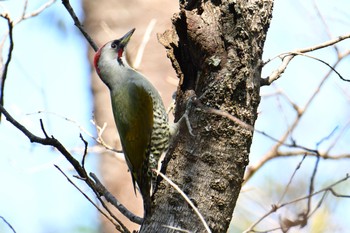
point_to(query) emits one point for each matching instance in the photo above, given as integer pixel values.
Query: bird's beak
(125, 39)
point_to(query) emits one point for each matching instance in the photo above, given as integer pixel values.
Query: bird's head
(111, 55)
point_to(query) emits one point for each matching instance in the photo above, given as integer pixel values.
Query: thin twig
(99, 130)
(327, 137)
(230, 117)
(98, 195)
(176, 229)
(186, 199)
(8, 224)
(275, 207)
(86, 196)
(300, 111)
(325, 25)
(43, 128)
(288, 56)
(343, 130)
(291, 178)
(337, 194)
(327, 64)
(25, 6)
(319, 204)
(111, 199)
(312, 184)
(85, 150)
(319, 191)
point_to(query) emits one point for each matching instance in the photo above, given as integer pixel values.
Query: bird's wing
(133, 111)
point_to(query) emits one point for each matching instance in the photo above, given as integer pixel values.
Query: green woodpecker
(139, 114)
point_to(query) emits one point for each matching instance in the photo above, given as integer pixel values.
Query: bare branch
(287, 57)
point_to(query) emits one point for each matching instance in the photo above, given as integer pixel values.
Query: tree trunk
(216, 49)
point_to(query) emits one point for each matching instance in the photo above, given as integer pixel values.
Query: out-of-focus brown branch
(36, 12)
(77, 23)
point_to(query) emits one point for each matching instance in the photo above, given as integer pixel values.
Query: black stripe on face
(119, 49)
(119, 59)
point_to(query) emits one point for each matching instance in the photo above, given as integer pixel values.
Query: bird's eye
(114, 44)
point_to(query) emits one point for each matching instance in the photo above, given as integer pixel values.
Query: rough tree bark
(216, 49)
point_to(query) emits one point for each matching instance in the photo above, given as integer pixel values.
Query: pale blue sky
(49, 72)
